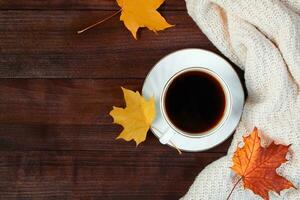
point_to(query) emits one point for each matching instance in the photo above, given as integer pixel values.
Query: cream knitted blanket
(262, 37)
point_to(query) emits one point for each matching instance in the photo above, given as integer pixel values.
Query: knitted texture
(262, 37)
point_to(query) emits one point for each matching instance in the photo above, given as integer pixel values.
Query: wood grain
(45, 45)
(78, 137)
(78, 4)
(107, 174)
(57, 87)
(54, 114)
(61, 101)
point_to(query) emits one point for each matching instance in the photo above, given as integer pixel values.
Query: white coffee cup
(173, 65)
(168, 134)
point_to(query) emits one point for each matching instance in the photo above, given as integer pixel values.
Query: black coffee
(195, 101)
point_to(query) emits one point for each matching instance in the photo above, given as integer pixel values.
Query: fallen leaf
(142, 13)
(257, 165)
(136, 118)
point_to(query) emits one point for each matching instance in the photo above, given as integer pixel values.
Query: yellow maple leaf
(142, 13)
(136, 118)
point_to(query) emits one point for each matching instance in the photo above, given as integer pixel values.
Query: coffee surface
(195, 102)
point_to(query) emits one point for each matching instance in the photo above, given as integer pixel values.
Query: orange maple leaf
(257, 165)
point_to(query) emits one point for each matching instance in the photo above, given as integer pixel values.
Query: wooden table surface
(57, 88)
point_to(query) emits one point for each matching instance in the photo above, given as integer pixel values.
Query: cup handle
(166, 136)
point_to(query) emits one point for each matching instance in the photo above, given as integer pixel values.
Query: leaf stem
(100, 22)
(178, 150)
(234, 188)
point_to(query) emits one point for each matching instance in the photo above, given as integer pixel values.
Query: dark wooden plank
(78, 4)
(77, 137)
(59, 114)
(60, 101)
(107, 174)
(45, 45)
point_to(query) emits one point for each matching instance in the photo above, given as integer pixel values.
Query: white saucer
(166, 68)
